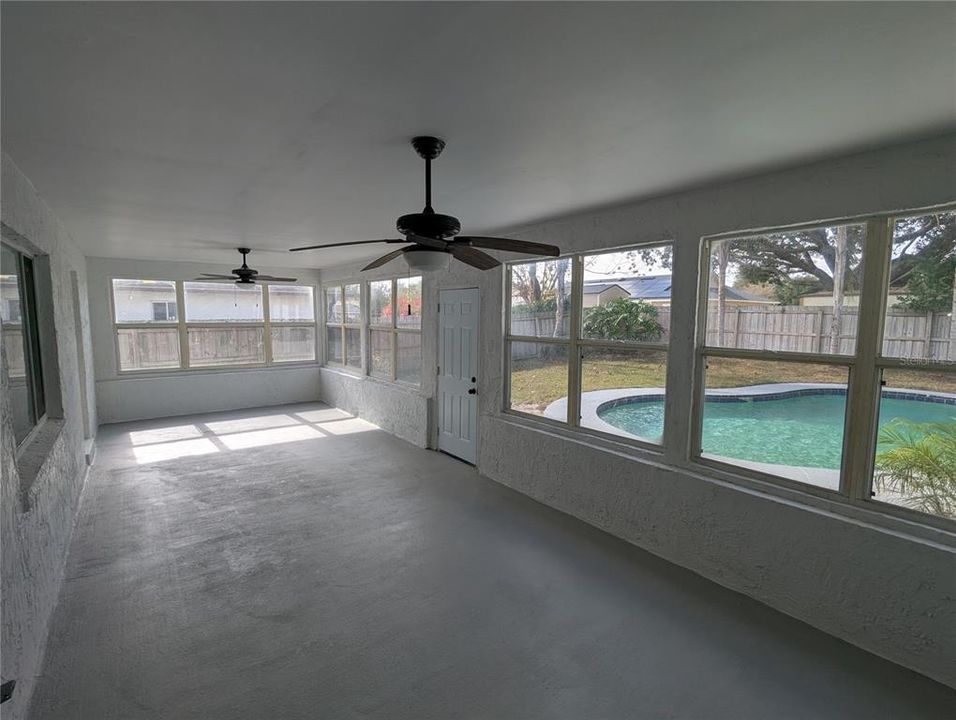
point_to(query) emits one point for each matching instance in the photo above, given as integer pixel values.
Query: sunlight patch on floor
(166, 434)
(275, 436)
(172, 450)
(260, 422)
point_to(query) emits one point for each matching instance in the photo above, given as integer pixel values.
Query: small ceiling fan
(430, 236)
(244, 275)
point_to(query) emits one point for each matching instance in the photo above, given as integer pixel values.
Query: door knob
(472, 391)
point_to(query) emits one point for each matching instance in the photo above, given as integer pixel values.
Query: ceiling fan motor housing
(433, 225)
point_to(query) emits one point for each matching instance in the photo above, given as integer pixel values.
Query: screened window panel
(222, 302)
(293, 344)
(409, 357)
(623, 392)
(539, 379)
(226, 346)
(380, 303)
(380, 354)
(137, 301)
(409, 302)
(148, 348)
(626, 295)
(291, 303)
(541, 298)
(920, 320)
(353, 346)
(781, 291)
(353, 304)
(333, 345)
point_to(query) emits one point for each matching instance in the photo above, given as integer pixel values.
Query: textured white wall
(149, 395)
(36, 521)
(872, 581)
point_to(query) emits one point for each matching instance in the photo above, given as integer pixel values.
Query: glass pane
(353, 343)
(14, 342)
(627, 295)
(226, 346)
(921, 308)
(222, 302)
(291, 303)
(780, 418)
(293, 344)
(380, 302)
(623, 392)
(409, 302)
(333, 345)
(540, 298)
(539, 379)
(381, 353)
(148, 348)
(916, 446)
(144, 301)
(333, 305)
(795, 291)
(353, 304)
(409, 357)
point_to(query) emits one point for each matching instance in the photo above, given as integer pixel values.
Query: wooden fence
(788, 328)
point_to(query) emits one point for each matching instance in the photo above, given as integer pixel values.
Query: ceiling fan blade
(518, 246)
(475, 258)
(343, 244)
(210, 276)
(274, 278)
(384, 259)
(427, 241)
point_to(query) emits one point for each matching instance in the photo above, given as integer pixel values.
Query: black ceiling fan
(244, 275)
(429, 236)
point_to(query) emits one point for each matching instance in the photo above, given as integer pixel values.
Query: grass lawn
(536, 383)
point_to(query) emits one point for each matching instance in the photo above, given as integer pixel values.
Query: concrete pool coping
(594, 400)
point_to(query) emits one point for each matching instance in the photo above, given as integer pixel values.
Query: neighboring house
(656, 290)
(825, 299)
(601, 293)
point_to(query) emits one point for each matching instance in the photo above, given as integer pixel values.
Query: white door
(458, 373)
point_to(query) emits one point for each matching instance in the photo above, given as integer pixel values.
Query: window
(21, 340)
(343, 325)
(799, 326)
(222, 325)
(914, 458)
(587, 340)
(394, 329)
(292, 315)
(780, 322)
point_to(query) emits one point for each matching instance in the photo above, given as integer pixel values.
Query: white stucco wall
(126, 396)
(875, 581)
(40, 489)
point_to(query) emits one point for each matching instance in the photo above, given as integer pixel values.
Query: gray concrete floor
(308, 565)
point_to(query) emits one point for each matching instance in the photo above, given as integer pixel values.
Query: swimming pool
(802, 427)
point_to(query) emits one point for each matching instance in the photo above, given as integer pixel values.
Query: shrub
(623, 319)
(918, 461)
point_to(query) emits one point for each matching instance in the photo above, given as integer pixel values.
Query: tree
(929, 286)
(918, 462)
(623, 319)
(840, 248)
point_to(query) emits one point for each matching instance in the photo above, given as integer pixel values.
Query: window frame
(182, 328)
(29, 325)
(344, 327)
(393, 330)
(865, 368)
(576, 345)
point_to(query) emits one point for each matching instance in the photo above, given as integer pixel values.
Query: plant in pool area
(918, 461)
(623, 319)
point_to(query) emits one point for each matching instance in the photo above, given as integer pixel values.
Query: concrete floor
(292, 562)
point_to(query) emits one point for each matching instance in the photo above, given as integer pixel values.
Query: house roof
(658, 287)
(598, 288)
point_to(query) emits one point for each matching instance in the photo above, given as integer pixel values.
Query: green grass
(536, 383)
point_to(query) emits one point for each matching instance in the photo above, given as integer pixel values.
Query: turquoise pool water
(806, 431)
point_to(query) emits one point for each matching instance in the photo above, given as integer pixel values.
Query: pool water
(806, 431)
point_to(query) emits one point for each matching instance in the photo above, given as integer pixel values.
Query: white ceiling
(182, 130)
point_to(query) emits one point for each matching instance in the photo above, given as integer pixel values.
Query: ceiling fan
(430, 236)
(244, 275)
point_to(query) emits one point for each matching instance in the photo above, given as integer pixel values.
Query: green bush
(918, 461)
(623, 319)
